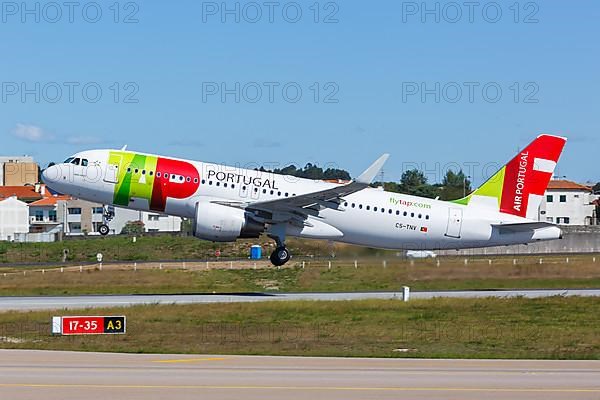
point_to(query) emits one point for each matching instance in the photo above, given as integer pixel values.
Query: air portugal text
(519, 190)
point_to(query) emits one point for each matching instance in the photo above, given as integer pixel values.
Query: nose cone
(50, 175)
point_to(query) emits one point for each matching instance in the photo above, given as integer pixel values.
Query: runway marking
(190, 360)
(296, 388)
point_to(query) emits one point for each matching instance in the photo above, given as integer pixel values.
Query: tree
(414, 182)
(411, 180)
(311, 171)
(133, 228)
(335, 173)
(455, 185)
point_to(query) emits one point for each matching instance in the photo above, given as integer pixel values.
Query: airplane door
(112, 171)
(454, 222)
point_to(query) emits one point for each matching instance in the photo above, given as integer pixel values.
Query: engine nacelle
(219, 223)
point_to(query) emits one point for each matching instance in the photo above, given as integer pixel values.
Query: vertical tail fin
(519, 186)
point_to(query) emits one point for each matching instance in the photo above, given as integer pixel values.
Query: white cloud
(31, 133)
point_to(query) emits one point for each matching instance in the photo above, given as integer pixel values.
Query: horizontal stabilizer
(523, 227)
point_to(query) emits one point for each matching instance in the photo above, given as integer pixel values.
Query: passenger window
(360, 206)
(224, 184)
(196, 180)
(368, 208)
(412, 215)
(397, 212)
(427, 217)
(390, 211)
(188, 179)
(353, 205)
(346, 204)
(405, 213)
(420, 215)
(158, 174)
(218, 183)
(264, 191)
(374, 208)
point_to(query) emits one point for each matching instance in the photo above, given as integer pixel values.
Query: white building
(568, 203)
(153, 222)
(14, 218)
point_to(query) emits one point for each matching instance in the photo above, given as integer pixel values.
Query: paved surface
(73, 302)
(93, 376)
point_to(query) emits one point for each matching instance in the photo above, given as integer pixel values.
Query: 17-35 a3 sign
(88, 325)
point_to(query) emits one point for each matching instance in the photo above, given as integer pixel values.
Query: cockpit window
(68, 160)
(84, 162)
(76, 161)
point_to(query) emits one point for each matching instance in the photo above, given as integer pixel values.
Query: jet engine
(220, 223)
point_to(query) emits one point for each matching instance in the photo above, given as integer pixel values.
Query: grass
(548, 328)
(580, 272)
(159, 247)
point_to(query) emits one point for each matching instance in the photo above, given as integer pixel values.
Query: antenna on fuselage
(124, 148)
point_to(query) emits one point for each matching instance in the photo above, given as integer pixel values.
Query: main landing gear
(108, 213)
(281, 255)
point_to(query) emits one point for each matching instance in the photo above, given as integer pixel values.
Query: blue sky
(369, 67)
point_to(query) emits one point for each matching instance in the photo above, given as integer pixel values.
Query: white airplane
(227, 203)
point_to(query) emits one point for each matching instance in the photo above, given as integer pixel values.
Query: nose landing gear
(103, 229)
(107, 216)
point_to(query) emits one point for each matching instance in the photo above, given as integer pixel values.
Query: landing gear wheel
(103, 229)
(280, 256)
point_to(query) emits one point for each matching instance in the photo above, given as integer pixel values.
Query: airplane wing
(329, 198)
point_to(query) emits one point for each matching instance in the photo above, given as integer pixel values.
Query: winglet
(371, 172)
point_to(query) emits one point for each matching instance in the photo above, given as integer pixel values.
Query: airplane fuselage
(370, 217)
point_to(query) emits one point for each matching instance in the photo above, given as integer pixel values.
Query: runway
(32, 375)
(75, 302)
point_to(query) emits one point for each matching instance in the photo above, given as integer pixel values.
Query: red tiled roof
(49, 201)
(22, 192)
(559, 184)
